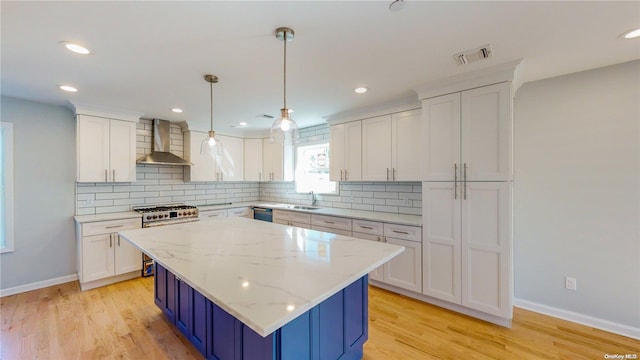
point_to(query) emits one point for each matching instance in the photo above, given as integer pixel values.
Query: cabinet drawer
(405, 232)
(368, 227)
(212, 214)
(280, 216)
(243, 211)
(365, 236)
(111, 226)
(331, 230)
(300, 217)
(331, 222)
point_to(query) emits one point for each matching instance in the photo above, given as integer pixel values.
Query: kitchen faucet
(313, 198)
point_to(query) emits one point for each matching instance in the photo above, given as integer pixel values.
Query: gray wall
(44, 181)
(577, 192)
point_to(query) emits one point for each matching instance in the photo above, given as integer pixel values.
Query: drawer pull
(400, 232)
(113, 226)
(329, 222)
(366, 227)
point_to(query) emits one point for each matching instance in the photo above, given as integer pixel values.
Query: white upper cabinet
(272, 161)
(204, 165)
(391, 147)
(230, 162)
(253, 160)
(345, 144)
(467, 135)
(106, 149)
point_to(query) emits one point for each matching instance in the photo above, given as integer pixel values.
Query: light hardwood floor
(121, 321)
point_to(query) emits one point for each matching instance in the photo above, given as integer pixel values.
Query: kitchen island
(244, 289)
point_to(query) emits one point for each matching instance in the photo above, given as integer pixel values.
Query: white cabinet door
(127, 257)
(405, 270)
(486, 248)
(212, 214)
(204, 165)
(377, 273)
(97, 257)
(272, 161)
(441, 241)
(239, 212)
(345, 145)
(406, 135)
(441, 135)
(337, 152)
(230, 162)
(253, 160)
(92, 137)
(376, 148)
(486, 133)
(122, 150)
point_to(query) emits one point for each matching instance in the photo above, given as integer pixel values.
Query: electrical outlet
(570, 283)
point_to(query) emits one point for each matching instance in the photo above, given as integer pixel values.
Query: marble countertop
(80, 219)
(404, 219)
(263, 274)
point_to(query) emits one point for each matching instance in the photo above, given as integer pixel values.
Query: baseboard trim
(606, 325)
(38, 285)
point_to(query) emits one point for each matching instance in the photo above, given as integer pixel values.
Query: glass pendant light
(284, 129)
(211, 143)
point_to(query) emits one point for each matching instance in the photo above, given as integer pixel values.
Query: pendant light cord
(211, 87)
(284, 38)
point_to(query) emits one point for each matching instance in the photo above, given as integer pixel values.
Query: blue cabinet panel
(355, 312)
(183, 308)
(160, 287)
(295, 338)
(170, 306)
(331, 327)
(223, 334)
(198, 321)
(256, 347)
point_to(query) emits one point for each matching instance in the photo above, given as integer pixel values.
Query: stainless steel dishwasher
(263, 214)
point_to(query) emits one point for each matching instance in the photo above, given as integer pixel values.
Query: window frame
(295, 170)
(6, 140)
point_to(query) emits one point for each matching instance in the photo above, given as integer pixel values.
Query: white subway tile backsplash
(114, 195)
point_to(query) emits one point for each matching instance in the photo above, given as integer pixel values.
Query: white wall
(577, 192)
(44, 176)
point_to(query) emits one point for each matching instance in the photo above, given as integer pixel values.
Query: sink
(302, 207)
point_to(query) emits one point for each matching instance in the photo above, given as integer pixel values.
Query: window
(312, 169)
(6, 179)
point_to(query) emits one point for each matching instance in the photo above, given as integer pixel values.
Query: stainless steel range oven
(161, 215)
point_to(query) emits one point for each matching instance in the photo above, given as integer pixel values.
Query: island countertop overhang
(264, 274)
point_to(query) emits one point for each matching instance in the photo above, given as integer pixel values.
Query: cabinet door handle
(465, 182)
(114, 176)
(341, 171)
(329, 222)
(118, 239)
(400, 232)
(345, 175)
(393, 174)
(455, 181)
(110, 240)
(387, 174)
(106, 175)
(366, 227)
(113, 226)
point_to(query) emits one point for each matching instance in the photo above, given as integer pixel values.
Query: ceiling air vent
(473, 55)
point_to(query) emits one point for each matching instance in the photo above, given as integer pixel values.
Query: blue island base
(337, 328)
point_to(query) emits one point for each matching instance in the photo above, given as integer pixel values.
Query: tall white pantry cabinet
(466, 192)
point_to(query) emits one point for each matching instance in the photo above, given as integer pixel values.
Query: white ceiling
(151, 56)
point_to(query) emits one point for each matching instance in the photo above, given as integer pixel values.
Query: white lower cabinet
(332, 224)
(240, 212)
(467, 245)
(212, 214)
(292, 218)
(102, 254)
(404, 270)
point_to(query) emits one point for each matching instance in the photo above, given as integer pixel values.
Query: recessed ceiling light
(176, 110)
(242, 123)
(76, 48)
(632, 34)
(68, 88)
(360, 90)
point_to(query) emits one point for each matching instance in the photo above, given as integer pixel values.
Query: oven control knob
(155, 216)
(148, 217)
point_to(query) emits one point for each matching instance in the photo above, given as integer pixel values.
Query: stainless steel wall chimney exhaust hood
(160, 154)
